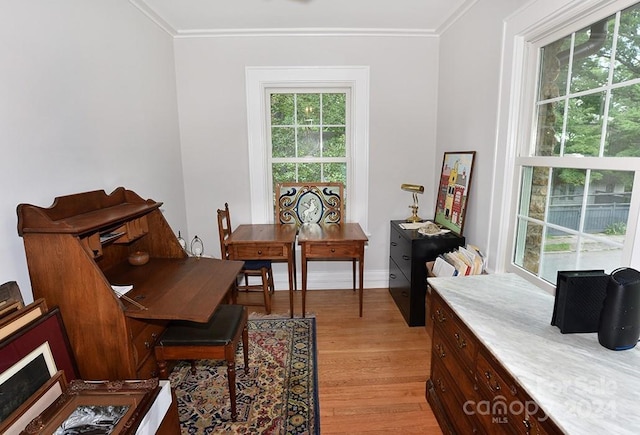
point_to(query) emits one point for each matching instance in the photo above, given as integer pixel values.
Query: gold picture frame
(108, 406)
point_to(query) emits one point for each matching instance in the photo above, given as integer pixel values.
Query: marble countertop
(583, 386)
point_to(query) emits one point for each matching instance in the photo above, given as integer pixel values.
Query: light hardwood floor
(372, 370)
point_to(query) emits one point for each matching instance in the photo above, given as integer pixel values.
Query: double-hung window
(309, 141)
(308, 124)
(579, 192)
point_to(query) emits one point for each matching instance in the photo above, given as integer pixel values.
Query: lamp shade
(415, 188)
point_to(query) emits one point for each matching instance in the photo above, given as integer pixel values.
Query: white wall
(87, 102)
(213, 126)
(468, 95)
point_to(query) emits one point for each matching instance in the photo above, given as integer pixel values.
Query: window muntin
(576, 183)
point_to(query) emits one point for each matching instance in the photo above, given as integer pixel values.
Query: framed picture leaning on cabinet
(453, 190)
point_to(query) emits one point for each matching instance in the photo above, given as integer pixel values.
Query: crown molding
(225, 33)
(150, 13)
(142, 6)
(457, 14)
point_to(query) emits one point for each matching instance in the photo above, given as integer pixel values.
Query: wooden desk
(176, 289)
(331, 242)
(266, 242)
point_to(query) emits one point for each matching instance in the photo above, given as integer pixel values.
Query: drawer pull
(440, 385)
(406, 257)
(460, 340)
(259, 251)
(392, 276)
(394, 244)
(147, 344)
(495, 386)
(333, 250)
(440, 350)
(440, 317)
(527, 425)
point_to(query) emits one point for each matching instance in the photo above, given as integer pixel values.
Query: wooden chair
(216, 339)
(252, 268)
(311, 203)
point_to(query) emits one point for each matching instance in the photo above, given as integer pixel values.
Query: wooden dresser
(408, 252)
(499, 366)
(78, 248)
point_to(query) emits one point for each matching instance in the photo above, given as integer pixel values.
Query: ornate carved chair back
(300, 203)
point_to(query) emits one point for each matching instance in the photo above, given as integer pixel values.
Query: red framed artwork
(49, 329)
(453, 191)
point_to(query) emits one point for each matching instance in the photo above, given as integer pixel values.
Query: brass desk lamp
(415, 189)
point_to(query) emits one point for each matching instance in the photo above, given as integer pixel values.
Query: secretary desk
(77, 251)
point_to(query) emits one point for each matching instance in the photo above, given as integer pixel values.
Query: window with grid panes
(308, 136)
(578, 178)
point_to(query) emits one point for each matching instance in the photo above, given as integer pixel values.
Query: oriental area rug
(278, 395)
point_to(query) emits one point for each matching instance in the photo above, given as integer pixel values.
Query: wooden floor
(372, 370)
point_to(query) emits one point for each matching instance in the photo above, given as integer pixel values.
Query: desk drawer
(333, 249)
(255, 252)
(143, 342)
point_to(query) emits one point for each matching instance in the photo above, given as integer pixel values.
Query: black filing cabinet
(408, 253)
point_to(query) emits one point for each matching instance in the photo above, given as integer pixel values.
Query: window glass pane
(282, 106)
(309, 172)
(565, 204)
(308, 109)
(334, 142)
(283, 142)
(627, 65)
(555, 68)
(336, 172)
(528, 245)
(333, 109)
(535, 184)
(549, 135)
(592, 56)
(309, 142)
(283, 172)
(584, 125)
(623, 128)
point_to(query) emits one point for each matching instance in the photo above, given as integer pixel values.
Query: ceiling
(211, 17)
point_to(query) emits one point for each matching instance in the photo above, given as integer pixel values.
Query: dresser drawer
(332, 249)
(251, 252)
(455, 332)
(442, 353)
(459, 408)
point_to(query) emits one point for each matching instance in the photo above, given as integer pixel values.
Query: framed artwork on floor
(453, 190)
(48, 328)
(97, 407)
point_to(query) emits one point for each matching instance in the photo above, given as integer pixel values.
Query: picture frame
(24, 378)
(37, 403)
(97, 407)
(47, 328)
(21, 317)
(453, 190)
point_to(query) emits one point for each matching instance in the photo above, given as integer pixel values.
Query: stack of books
(464, 261)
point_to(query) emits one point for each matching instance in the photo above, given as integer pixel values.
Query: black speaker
(579, 298)
(619, 327)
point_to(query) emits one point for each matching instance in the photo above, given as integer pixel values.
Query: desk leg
(304, 281)
(291, 267)
(361, 264)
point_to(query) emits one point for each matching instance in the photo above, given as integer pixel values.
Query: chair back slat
(224, 230)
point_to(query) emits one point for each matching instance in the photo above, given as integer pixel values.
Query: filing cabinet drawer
(400, 252)
(400, 288)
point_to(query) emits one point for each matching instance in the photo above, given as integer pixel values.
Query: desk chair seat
(216, 339)
(255, 268)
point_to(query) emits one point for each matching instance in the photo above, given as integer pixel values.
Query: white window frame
(534, 25)
(258, 80)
